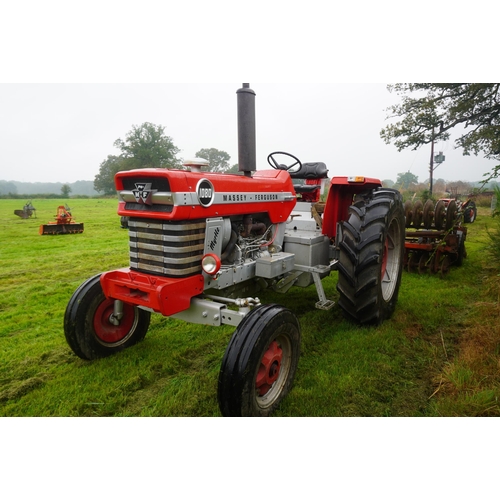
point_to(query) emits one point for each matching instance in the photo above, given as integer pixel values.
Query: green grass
(425, 361)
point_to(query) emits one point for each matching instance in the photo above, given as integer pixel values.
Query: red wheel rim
(269, 369)
(108, 333)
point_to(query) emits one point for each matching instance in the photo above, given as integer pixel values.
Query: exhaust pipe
(247, 152)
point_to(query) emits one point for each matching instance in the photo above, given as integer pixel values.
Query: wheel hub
(106, 327)
(269, 370)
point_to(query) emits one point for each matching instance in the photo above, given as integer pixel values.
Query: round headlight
(210, 264)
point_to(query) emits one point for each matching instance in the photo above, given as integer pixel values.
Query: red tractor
(202, 245)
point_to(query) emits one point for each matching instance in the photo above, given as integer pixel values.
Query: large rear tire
(90, 330)
(371, 256)
(260, 362)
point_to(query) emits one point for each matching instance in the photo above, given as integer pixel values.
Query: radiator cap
(195, 164)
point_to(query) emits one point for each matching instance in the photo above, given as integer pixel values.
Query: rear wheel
(470, 212)
(371, 256)
(260, 362)
(95, 328)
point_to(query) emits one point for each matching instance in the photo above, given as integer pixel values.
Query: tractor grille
(171, 249)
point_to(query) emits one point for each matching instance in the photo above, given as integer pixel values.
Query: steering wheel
(278, 166)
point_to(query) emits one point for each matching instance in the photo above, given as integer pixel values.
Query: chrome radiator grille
(171, 249)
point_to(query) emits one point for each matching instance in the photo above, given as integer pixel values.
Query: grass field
(438, 356)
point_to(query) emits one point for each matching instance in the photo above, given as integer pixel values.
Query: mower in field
(27, 211)
(64, 223)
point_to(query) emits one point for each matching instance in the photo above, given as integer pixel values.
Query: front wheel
(92, 327)
(260, 362)
(371, 256)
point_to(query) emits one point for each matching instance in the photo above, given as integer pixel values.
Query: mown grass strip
(438, 355)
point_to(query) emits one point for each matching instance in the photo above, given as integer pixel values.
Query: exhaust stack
(247, 153)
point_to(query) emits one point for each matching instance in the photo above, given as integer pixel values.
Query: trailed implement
(63, 224)
(27, 211)
(435, 236)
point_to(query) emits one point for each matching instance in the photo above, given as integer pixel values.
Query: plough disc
(439, 215)
(428, 214)
(408, 213)
(422, 264)
(417, 214)
(451, 214)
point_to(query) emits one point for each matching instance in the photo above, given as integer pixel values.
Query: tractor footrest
(325, 305)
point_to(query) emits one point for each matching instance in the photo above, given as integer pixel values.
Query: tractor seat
(306, 188)
(313, 174)
(316, 170)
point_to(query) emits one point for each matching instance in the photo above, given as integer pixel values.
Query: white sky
(57, 124)
(62, 132)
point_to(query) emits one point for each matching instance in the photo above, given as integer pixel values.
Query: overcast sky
(62, 132)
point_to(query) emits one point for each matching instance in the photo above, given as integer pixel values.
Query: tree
(406, 180)
(218, 160)
(104, 181)
(429, 111)
(65, 190)
(146, 146)
(439, 185)
(235, 169)
(458, 188)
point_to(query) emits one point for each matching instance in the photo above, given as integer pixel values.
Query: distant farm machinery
(63, 224)
(27, 211)
(435, 235)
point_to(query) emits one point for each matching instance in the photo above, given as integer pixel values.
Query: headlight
(210, 264)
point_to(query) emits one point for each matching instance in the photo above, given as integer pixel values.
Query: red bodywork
(167, 296)
(269, 191)
(180, 181)
(340, 196)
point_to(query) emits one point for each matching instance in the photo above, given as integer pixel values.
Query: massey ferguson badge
(143, 193)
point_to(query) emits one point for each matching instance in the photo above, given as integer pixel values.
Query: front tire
(88, 327)
(260, 362)
(371, 256)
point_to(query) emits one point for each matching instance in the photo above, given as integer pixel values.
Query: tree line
(62, 190)
(408, 182)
